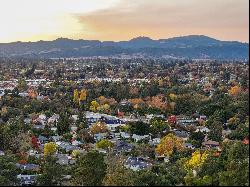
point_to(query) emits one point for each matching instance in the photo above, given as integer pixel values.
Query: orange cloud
(222, 19)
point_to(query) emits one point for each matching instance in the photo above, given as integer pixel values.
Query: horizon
(122, 20)
(154, 39)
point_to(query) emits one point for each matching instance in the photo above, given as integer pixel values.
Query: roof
(210, 142)
(42, 138)
(123, 146)
(137, 162)
(27, 166)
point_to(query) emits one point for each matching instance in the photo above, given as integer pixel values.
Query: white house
(138, 137)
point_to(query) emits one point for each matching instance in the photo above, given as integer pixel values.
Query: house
(75, 117)
(42, 117)
(53, 119)
(137, 163)
(203, 117)
(63, 159)
(122, 146)
(27, 120)
(2, 153)
(56, 138)
(102, 151)
(154, 141)
(99, 136)
(226, 132)
(210, 144)
(125, 135)
(189, 146)
(32, 152)
(76, 143)
(28, 166)
(73, 128)
(125, 102)
(53, 129)
(202, 129)
(39, 126)
(26, 180)
(43, 139)
(112, 122)
(67, 146)
(181, 134)
(137, 138)
(150, 116)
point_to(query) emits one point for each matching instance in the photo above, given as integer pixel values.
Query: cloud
(224, 19)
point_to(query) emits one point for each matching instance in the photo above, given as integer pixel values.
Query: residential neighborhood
(65, 119)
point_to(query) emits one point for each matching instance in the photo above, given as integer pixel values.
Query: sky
(117, 20)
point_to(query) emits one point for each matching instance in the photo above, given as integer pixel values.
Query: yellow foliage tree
(94, 105)
(106, 106)
(160, 82)
(49, 148)
(98, 128)
(83, 95)
(235, 90)
(76, 96)
(172, 97)
(168, 143)
(104, 144)
(196, 161)
(75, 153)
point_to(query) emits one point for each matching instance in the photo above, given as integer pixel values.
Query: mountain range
(191, 47)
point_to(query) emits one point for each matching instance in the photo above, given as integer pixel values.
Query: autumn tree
(83, 95)
(104, 144)
(85, 136)
(234, 91)
(94, 105)
(98, 127)
(196, 161)
(34, 142)
(168, 143)
(76, 96)
(50, 148)
(233, 122)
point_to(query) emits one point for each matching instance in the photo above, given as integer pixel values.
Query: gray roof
(123, 146)
(27, 166)
(137, 162)
(42, 138)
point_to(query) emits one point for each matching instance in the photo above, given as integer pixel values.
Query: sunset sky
(33, 20)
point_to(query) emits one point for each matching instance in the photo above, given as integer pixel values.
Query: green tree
(89, 170)
(8, 171)
(158, 126)
(215, 133)
(22, 85)
(104, 144)
(51, 172)
(197, 138)
(139, 128)
(63, 123)
(117, 174)
(236, 174)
